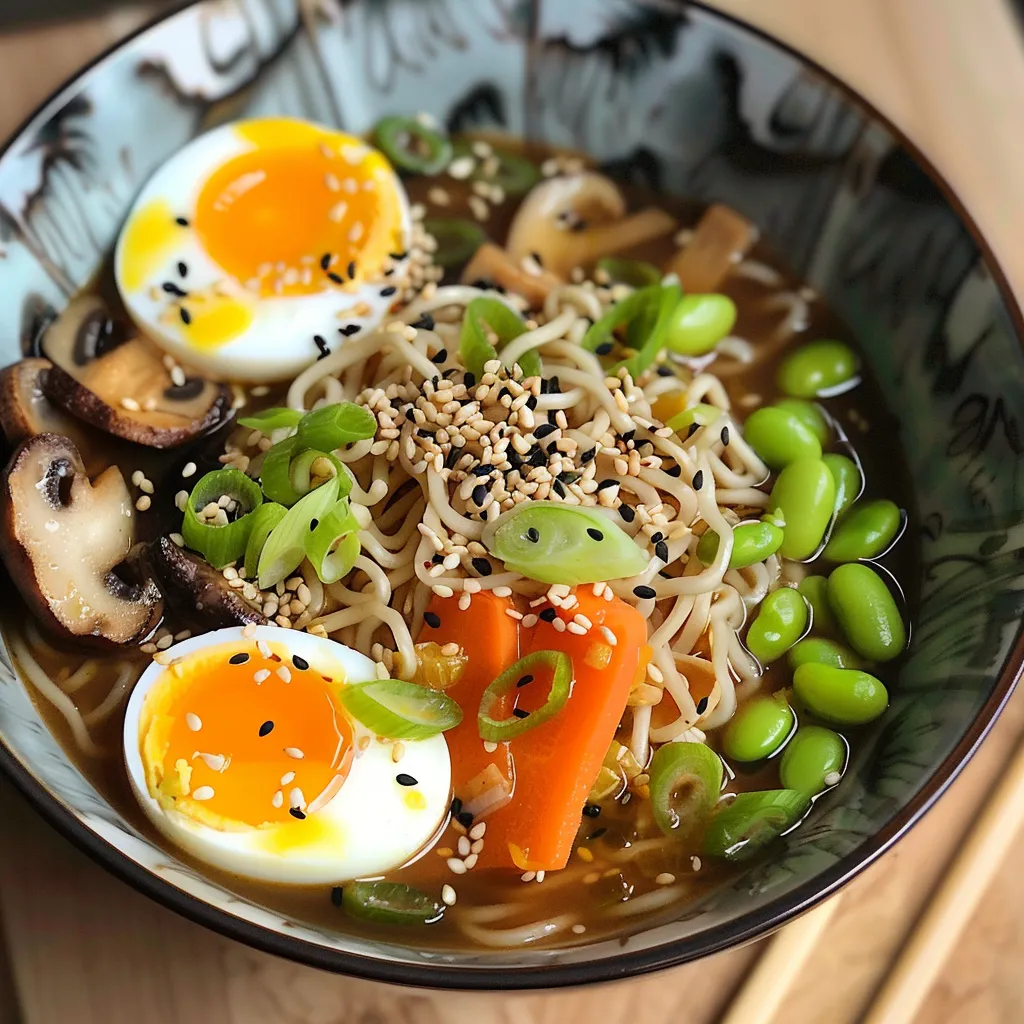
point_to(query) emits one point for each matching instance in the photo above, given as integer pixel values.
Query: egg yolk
(235, 738)
(299, 210)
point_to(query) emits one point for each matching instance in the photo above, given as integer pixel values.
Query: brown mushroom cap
(198, 591)
(62, 536)
(98, 367)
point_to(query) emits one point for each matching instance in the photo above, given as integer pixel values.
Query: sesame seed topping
(266, 728)
(238, 659)
(456, 866)
(277, 799)
(447, 895)
(284, 673)
(262, 675)
(644, 592)
(203, 793)
(300, 663)
(405, 780)
(193, 721)
(296, 812)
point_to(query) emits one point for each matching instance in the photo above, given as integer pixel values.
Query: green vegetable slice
(333, 546)
(264, 519)
(220, 545)
(496, 730)
(286, 546)
(686, 780)
(389, 903)
(398, 710)
(412, 146)
(568, 544)
(652, 306)
(272, 419)
(701, 414)
(303, 470)
(635, 273)
(483, 317)
(515, 175)
(333, 426)
(751, 821)
(457, 240)
(287, 470)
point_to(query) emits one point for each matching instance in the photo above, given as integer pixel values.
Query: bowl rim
(747, 928)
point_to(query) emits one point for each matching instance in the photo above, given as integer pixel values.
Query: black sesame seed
(594, 534)
(725, 435)
(321, 346)
(604, 349)
(266, 728)
(300, 663)
(597, 833)
(325, 261)
(482, 566)
(656, 536)
(661, 550)
(674, 470)
(439, 357)
(525, 681)
(693, 428)
(559, 488)
(702, 705)
(398, 255)
(238, 659)
(336, 895)
(548, 615)
(452, 457)
(482, 470)
(532, 535)
(182, 269)
(313, 524)
(388, 292)
(436, 558)
(172, 289)
(456, 805)
(479, 494)
(538, 457)
(425, 323)
(588, 456)
(627, 512)
(336, 278)
(469, 379)
(432, 619)
(181, 222)
(464, 818)
(644, 592)
(665, 371)
(520, 713)
(537, 259)
(605, 484)
(405, 780)
(592, 810)
(544, 429)
(295, 812)
(698, 479)
(186, 316)
(349, 329)
(351, 269)
(554, 388)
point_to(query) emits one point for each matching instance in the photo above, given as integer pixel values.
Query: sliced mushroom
(198, 591)
(62, 537)
(117, 381)
(721, 239)
(573, 220)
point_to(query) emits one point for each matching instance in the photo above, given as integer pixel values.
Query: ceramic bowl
(685, 100)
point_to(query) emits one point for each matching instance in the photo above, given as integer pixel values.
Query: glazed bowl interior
(683, 100)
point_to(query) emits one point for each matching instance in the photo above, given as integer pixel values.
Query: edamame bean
(817, 367)
(844, 696)
(864, 532)
(866, 612)
(758, 729)
(819, 651)
(815, 591)
(810, 757)
(805, 493)
(847, 479)
(699, 322)
(781, 621)
(811, 415)
(780, 437)
(751, 542)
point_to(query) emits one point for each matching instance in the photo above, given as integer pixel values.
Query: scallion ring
(286, 546)
(751, 821)
(398, 710)
(272, 419)
(264, 519)
(485, 316)
(457, 240)
(311, 468)
(389, 903)
(333, 426)
(413, 146)
(333, 546)
(635, 273)
(222, 544)
(495, 730)
(686, 780)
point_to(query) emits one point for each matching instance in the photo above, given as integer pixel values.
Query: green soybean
(843, 696)
(780, 437)
(805, 493)
(810, 415)
(699, 322)
(847, 479)
(817, 650)
(751, 542)
(815, 591)
(781, 621)
(810, 757)
(866, 612)
(817, 367)
(758, 729)
(864, 532)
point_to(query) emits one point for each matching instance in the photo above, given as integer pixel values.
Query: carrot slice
(489, 639)
(557, 762)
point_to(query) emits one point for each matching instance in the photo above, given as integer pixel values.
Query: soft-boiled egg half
(262, 246)
(240, 752)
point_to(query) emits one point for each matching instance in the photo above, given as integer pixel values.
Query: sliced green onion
(333, 546)
(655, 341)
(389, 903)
(701, 414)
(515, 175)
(286, 546)
(567, 544)
(457, 240)
(275, 473)
(496, 730)
(751, 821)
(686, 780)
(398, 710)
(272, 419)
(623, 313)
(300, 472)
(264, 519)
(636, 273)
(333, 426)
(220, 545)
(412, 146)
(650, 307)
(484, 316)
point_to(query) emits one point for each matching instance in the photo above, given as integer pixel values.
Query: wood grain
(85, 949)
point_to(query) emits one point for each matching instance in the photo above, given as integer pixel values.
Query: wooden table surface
(81, 948)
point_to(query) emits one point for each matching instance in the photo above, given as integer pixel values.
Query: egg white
(366, 829)
(279, 340)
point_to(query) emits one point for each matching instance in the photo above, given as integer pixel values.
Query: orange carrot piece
(557, 762)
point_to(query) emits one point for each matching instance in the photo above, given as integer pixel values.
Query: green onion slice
(496, 730)
(484, 316)
(286, 546)
(333, 426)
(686, 780)
(303, 466)
(389, 903)
(457, 240)
(701, 414)
(412, 146)
(651, 309)
(272, 419)
(515, 175)
(220, 545)
(333, 546)
(264, 519)
(287, 473)
(398, 710)
(567, 544)
(635, 273)
(751, 821)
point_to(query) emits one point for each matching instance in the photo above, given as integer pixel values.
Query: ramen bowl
(672, 97)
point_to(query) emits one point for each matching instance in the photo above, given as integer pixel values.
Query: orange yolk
(243, 738)
(270, 215)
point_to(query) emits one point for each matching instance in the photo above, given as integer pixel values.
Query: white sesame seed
(178, 377)
(579, 929)
(398, 752)
(164, 642)
(465, 600)
(447, 895)
(582, 620)
(284, 673)
(278, 799)
(295, 753)
(143, 503)
(609, 636)
(177, 539)
(215, 762)
(296, 798)
(529, 621)
(443, 591)
(490, 746)
(665, 878)
(528, 876)
(181, 500)
(540, 876)
(203, 793)
(477, 846)
(262, 675)
(832, 779)
(464, 846)
(137, 477)
(574, 627)
(478, 830)
(130, 404)
(559, 624)
(456, 866)
(470, 861)
(189, 470)
(193, 721)
(695, 863)
(264, 648)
